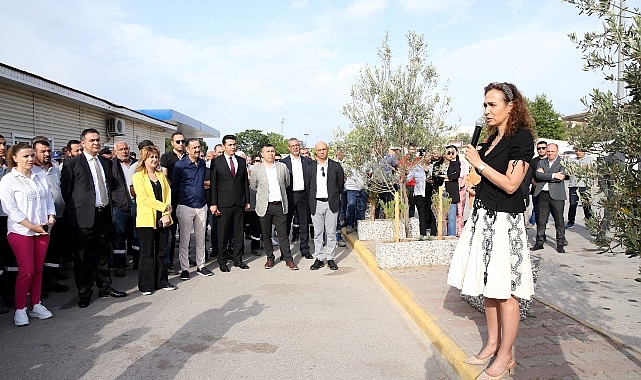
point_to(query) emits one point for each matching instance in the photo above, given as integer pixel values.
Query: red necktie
(233, 168)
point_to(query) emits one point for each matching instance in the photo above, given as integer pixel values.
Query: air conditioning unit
(116, 127)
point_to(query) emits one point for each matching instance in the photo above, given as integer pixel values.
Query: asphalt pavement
(247, 324)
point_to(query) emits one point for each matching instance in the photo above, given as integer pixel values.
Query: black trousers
(230, 222)
(300, 207)
(574, 202)
(411, 201)
(547, 205)
(253, 223)
(425, 214)
(92, 247)
(170, 248)
(275, 216)
(9, 265)
(152, 270)
(54, 252)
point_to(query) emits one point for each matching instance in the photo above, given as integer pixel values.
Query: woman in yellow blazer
(153, 216)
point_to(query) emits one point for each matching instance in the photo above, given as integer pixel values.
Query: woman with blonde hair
(492, 257)
(153, 216)
(28, 202)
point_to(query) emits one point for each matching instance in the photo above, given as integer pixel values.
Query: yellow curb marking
(448, 348)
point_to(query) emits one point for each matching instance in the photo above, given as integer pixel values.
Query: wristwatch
(481, 168)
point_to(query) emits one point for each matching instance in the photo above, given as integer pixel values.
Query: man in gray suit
(270, 180)
(550, 189)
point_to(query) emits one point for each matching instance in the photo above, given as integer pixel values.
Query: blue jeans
(356, 201)
(535, 205)
(451, 220)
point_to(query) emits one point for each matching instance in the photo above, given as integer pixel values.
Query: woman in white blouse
(28, 202)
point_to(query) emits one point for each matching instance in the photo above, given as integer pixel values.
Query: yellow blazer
(147, 205)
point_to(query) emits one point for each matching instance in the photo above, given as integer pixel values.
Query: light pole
(282, 131)
(306, 134)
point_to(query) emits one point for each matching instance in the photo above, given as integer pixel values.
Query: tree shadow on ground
(198, 335)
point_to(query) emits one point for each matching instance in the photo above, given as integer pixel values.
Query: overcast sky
(240, 64)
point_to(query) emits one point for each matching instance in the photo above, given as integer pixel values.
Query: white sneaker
(40, 312)
(20, 317)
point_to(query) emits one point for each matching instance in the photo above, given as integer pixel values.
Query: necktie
(233, 168)
(101, 183)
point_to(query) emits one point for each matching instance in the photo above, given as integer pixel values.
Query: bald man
(324, 181)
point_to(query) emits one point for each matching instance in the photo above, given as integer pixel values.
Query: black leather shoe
(85, 299)
(560, 249)
(111, 292)
(536, 247)
(332, 265)
(317, 265)
(223, 267)
(241, 265)
(307, 255)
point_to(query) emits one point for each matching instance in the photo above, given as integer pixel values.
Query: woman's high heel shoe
(478, 361)
(509, 368)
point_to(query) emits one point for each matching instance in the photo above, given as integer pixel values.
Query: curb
(448, 348)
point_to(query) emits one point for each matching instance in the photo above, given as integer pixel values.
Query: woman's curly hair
(519, 118)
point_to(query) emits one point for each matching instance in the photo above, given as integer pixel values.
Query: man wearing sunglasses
(324, 181)
(167, 162)
(541, 147)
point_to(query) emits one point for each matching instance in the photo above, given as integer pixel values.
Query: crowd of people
(95, 207)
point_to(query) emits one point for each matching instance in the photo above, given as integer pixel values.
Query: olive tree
(613, 127)
(393, 107)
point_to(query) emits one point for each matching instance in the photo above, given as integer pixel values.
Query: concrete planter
(415, 253)
(383, 229)
(524, 305)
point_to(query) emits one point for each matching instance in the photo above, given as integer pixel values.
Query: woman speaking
(492, 257)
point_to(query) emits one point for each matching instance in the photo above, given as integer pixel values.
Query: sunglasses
(541, 148)
(257, 161)
(449, 153)
(323, 171)
(179, 141)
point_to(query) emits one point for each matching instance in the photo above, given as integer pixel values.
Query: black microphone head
(478, 127)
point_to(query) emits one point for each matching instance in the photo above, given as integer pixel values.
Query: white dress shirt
(321, 180)
(272, 179)
(298, 183)
(25, 198)
(92, 167)
(233, 158)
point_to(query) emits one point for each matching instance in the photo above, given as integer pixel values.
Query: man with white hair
(550, 188)
(123, 238)
(324, 181)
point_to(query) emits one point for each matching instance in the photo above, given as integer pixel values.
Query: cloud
(536, 62)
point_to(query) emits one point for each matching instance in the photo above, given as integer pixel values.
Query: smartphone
(45, 227)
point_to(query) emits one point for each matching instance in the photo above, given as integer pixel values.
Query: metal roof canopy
(186, 125)
(38, 84)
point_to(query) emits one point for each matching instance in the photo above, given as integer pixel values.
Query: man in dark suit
(229, 199)
(550, 189)
(324, 183)
(296, 200)
(86, 183)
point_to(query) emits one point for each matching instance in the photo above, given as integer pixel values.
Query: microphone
(480, 122)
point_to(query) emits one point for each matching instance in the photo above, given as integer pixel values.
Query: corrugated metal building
(31, 105)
